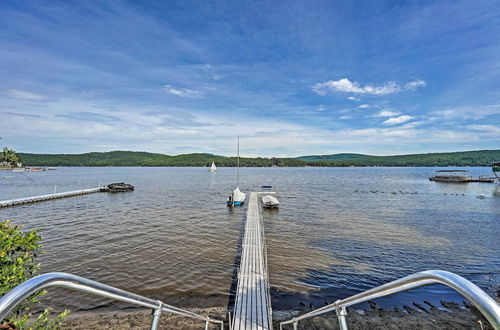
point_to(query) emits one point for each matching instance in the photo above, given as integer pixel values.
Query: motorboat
(270, 202)
(455, 176)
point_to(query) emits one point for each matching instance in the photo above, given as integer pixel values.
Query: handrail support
(480, 299)
(156, 316)
(341, 316)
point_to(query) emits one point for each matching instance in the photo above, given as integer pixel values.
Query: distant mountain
(139, 158)
(334, 157)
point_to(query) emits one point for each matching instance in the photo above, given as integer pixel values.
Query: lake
(338, 231)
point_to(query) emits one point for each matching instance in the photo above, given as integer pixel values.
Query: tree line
(132, 158)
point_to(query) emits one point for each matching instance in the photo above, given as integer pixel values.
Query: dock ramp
(252, 309)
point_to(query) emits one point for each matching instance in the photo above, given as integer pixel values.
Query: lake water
(338, 231)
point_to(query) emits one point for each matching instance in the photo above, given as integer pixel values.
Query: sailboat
(237, 197)
(213, 168)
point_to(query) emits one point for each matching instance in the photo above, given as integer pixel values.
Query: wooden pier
(252, 309)
(33, 199)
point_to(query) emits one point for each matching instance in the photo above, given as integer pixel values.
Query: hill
(334, 157)
(137, 158)
(460, 158)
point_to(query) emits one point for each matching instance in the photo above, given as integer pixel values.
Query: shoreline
(448, 315)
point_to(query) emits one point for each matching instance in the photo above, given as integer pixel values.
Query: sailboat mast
(238, 167)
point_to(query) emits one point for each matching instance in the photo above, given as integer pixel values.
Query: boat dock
(33, 199)
(252, 308)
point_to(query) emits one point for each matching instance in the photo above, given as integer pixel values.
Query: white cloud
(386, 113)
(398, 120)
(347, 86)
(364, 106)
(24, 95)
(412, 85)
(486, 128)
(354, 99)
(466, 113)
(345, 117)
(321, 108)
(183, 92)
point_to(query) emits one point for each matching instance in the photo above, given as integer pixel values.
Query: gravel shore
(447, 316)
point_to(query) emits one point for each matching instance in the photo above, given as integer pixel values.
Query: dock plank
(34, 199)
(252, 306)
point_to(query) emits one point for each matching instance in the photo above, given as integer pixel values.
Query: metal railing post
(341, 316)
(156, 316)
(295, 325)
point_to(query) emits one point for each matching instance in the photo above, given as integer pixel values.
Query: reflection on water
(338, 230)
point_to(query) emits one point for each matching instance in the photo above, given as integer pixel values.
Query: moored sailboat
(237, 197)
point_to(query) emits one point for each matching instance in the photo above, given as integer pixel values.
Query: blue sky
(290, 77)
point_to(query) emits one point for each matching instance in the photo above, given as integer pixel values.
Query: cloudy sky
(290, 77)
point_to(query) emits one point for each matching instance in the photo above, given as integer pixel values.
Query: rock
(420, 307)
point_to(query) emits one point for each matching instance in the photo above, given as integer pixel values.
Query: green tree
(18, 252)
(9, 156)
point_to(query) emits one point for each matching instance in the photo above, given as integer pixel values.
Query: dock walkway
(33, 199)
(253, 306)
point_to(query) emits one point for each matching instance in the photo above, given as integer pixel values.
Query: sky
(290, 78)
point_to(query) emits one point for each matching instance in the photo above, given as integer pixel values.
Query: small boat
(35, 169)
(270, 202)
(18, 170)
(213, 168)
(237, 197)
(454, 176)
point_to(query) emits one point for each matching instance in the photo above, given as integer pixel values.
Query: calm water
(338, 231)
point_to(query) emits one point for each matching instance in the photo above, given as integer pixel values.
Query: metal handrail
(73, 282)
(484, 303)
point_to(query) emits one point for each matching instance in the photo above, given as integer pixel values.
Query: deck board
(252, 306)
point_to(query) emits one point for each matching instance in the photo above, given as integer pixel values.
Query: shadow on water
(307, 301)
(236, 264)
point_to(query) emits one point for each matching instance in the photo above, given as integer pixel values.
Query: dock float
(33, 199)
(252, 308)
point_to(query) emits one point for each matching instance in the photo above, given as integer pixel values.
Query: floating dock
(33, 199)
(252, 309)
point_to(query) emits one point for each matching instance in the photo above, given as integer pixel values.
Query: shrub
(18, 252)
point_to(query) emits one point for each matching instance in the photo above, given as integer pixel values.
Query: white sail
(213, 168)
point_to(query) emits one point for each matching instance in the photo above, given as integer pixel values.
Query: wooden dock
(252, 309)
(33, 199)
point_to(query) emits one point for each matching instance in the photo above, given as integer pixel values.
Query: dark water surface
(338, 231)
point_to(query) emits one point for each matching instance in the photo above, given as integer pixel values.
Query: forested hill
(461, 158)
(333, 157)
(135, 158)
